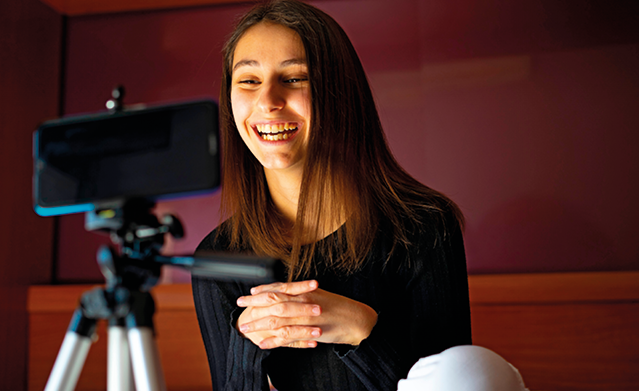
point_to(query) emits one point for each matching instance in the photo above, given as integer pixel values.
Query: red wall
(30, 54)
(524, 113)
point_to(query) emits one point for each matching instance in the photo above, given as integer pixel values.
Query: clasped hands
(299, 314)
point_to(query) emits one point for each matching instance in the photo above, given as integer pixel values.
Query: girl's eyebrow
(254, 63)
(245, 63)
(293, 61)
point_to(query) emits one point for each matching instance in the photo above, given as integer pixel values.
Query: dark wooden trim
(484, 290)
(554, 287)
(92, 7)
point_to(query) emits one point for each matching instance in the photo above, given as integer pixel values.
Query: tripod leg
(147, 368)
(72, 355)
(119, 375)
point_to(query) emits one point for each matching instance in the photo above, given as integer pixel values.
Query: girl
(375, 260)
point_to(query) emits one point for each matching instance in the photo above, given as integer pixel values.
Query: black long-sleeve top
(419, 293)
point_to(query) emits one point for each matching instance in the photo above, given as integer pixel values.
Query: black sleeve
(431, 315)
(235, 362)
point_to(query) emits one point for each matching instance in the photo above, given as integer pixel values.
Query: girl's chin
(282, 165)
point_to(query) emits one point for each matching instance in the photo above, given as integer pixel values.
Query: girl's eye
(248, 81)
(295, 80)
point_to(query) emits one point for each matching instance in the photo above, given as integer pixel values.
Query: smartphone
(87, 162)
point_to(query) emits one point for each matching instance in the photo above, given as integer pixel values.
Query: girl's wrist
(364, 327)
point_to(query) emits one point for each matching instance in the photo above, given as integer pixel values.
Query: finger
(267, 344)
(289, 288)
(273, 323)
(302, 344)
(286, 311)
(266, 288)
(293, 336)
(269, 299)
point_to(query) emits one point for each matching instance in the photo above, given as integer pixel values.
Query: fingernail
(240, 301)
(312, 284)
(244, 328)
(253, 290)
(315, 333)
(316, 310)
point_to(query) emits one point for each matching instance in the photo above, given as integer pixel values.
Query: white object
(463, 368)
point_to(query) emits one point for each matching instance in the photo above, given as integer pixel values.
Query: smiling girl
(375, 260)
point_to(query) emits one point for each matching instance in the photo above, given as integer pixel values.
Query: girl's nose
(271, 98)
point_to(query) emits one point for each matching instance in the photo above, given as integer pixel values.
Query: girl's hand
(298, 314)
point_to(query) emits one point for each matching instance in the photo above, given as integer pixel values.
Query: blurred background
(525, 113)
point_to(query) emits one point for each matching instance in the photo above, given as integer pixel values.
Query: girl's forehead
(266, 42)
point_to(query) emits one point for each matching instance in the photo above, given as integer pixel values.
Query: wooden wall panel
(565, 346)
(564, 331)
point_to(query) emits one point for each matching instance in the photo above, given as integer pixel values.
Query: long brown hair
(349, 174)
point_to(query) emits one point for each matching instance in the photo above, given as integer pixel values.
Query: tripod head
(139, 235)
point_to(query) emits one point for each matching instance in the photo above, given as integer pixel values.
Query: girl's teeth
(275, 137)
(276, 132)
(275, 128)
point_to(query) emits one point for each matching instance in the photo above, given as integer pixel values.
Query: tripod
(131, 341)
(125, 301)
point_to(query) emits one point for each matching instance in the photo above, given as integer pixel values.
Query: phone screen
(153, 153)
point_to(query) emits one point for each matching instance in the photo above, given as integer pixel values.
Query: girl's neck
(284, 187)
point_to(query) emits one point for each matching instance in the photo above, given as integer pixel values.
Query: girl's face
(270, 95)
